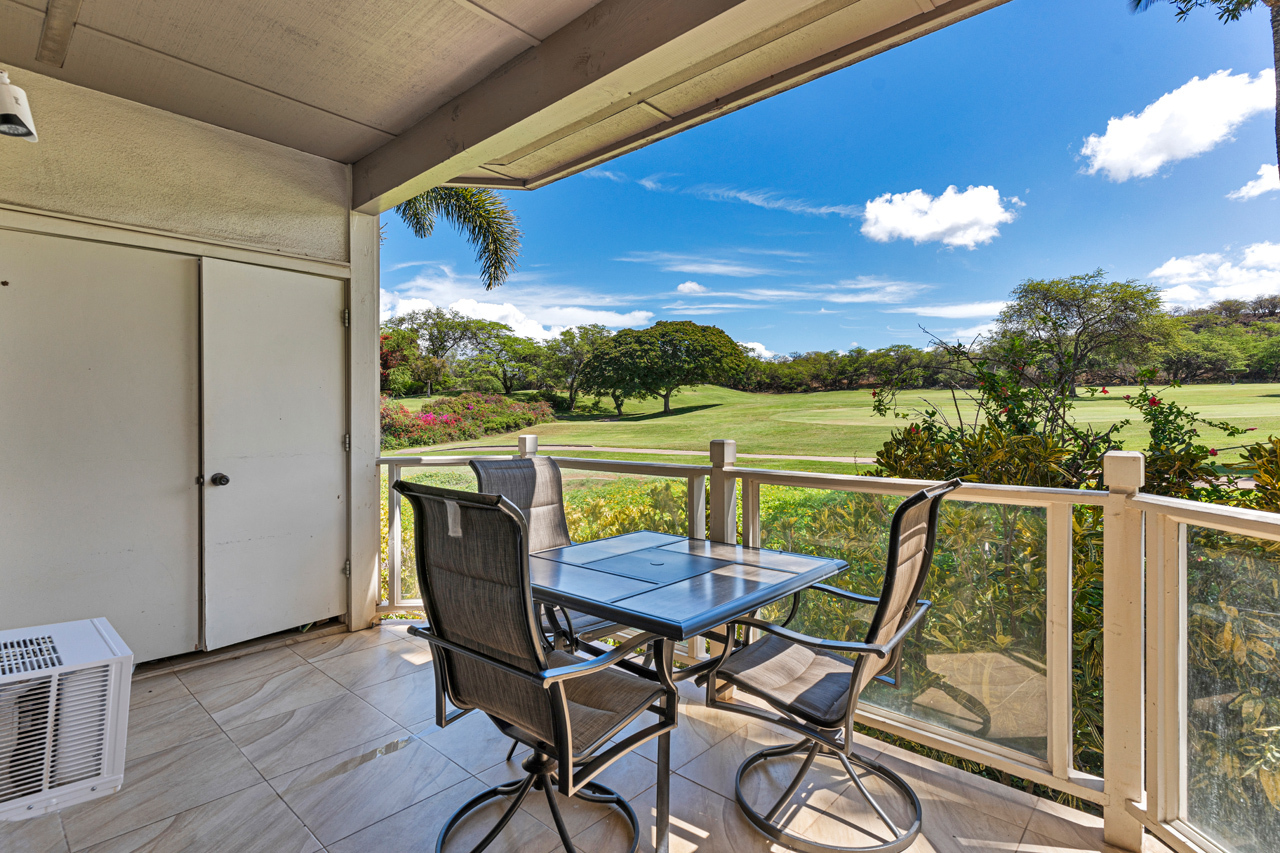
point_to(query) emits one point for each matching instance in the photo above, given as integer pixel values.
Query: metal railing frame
(1144, 619)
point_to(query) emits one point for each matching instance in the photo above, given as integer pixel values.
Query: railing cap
(1124, 471)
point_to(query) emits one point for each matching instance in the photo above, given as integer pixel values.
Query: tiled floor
(330, 744)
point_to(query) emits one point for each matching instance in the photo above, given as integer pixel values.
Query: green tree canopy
(568, 354)
(669, 355)
(1083, 319)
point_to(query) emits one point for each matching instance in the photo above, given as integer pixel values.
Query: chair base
(539, 769)
(769, 824)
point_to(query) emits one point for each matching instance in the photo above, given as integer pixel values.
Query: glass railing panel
(977, 665)
(1232, 731)
(449, 478)
(599, 504)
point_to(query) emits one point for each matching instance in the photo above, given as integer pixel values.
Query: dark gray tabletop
(670, 585)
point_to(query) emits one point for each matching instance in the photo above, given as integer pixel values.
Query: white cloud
(690, 287)
(954, 312)
(697, 264)
(982, 330)
(772, 201)
(954, 218)
(758, 349)
(616, 177)
(531, 307)
(1198, 280)
(654, 182)
(1268, 180)
(1184, 123)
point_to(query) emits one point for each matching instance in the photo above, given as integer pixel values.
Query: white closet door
(99, 441)
(274, 419)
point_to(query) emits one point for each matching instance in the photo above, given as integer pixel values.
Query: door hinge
(346, 568)
(346, 317)
(346, 442)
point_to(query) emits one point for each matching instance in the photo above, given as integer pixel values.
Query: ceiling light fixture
(15, 112)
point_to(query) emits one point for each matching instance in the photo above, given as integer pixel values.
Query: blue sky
(1075, 136)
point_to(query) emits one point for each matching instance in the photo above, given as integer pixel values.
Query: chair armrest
(577, 670)
(880, 650)
(845, 594)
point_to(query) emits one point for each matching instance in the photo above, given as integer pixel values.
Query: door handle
(219, 479)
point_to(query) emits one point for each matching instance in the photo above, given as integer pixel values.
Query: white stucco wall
(109, 159)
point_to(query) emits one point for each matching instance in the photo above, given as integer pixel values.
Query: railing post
(724, 516)
(696, 506)
(527, 445)
(394, 556)
(1123, 643)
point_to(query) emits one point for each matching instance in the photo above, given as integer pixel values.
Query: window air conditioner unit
(64, 707)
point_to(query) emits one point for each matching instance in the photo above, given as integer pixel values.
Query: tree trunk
(618, 400)
(573, 394)
(1274, 5)
(666, 403)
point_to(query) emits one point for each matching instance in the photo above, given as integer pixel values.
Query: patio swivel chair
(490, 655)
(814, 684)
(533, 485)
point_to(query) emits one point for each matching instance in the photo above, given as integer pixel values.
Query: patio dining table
(674, 587)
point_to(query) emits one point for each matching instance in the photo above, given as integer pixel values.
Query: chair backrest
(473, 570)
(911, 537)
(533, 485)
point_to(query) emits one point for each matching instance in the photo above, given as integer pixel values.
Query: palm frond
(483, 218)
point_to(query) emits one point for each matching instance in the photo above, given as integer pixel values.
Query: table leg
(662, 829)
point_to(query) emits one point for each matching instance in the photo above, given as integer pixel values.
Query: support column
(1123, 643)
(724, 491)
(364, 528)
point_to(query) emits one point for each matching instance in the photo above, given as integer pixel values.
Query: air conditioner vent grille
(28, 654)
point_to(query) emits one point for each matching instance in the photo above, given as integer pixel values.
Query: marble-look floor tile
(717, 768)
(958, 786)
(300, 737)
(373, 665)
(334, 645)
(346, 792)
(1070, 828)
(160, 786)
(627, 777)
(250, 821)
(201, 678)
(702, 821)
(264, 696)
(155, 688)
(953, 827)
(34, 835)
(847, 818)
(415, 829)
(474, 743)
(409, 699)
(158, 726)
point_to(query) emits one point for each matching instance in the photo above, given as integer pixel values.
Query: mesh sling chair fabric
(490, 655)
(814, 684)
(534, 486)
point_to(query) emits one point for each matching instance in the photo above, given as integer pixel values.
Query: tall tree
(672, 354)
(514, 361)
(1083, 318)
(483, 218)
(1231, 10)
(609, 372)
(569, 353)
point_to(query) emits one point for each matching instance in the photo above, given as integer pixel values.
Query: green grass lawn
(841, 423)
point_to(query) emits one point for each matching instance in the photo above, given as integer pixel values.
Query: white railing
(1144, 776)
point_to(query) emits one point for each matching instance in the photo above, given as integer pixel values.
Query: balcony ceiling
(418, 93)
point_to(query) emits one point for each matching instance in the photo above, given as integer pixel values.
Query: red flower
(1005, 410)
(1105, 391)
(1213, 451)
(1128, 396)
(1154, 401)
(1250, 429)
(873, 393)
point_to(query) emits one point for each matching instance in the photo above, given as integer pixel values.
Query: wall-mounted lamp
(15, 113)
